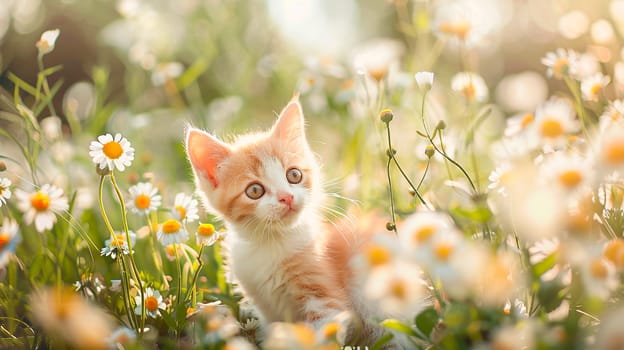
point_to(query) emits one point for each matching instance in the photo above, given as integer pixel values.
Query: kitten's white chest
(259, 273)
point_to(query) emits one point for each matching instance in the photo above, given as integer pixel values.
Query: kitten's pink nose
(286, 198)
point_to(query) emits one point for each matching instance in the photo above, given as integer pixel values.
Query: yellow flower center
(444, 250)
(378, 74)
(304, 335)
(118, 240)
(398, 289)
(206, 230)
(1, 190)
(181, 210)
(423, 233)
(190, 310)
(614, 250)
(595, 89)
(171, 226)
(614, 152)
(560, 67)
(112, 150)
(142, 201)
(40, 201)
(570, 178)
(551, 128)
(598, 269)
(170, 249)
(330, 329)
(469, 91)
(526, 120)
(377, 255)
(459, 29)
(151, 303)
(4, 239)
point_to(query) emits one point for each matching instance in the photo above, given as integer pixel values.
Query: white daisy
(206, 234)
(599, 276)
(561, 63)
(555, 119)
(418, 230)
(121, 338)
(424, 80)
(153, 303)
(9, 239)
(613, 114)
(568, 172)
(5, 190)
(117, 245)
(41, 206)
(376, 57)
(111, 152)
(471, 86)
(593, 86)
(518, 123)
(610, 150)
(48, 41)
(144, 198)
(171, 231)
(179, 250)
(397, 288)
(185, 208)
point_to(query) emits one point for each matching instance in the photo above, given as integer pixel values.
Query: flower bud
(3, 166)
(424, 80)
(441, 125)
(102, 171)
(386, 116)
(390, 226)
(429, 151)
(390, 152)
(48, 41)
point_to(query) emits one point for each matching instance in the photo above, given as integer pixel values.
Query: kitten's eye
(254, 191)
(294, 175)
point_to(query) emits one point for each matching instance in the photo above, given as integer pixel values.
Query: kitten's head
(261, 182)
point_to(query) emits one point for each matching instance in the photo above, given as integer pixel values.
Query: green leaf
(399, 327)
(477, 214)
(192, 73)
(545, 264)
(47, 100)
(171, 323)
(382, 341)
(550, 294)
(427, 320)
(22, 84)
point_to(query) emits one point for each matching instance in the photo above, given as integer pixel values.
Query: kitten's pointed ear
(290, 126)
(206, 153)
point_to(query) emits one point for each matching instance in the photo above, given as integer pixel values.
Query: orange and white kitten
(288, 261)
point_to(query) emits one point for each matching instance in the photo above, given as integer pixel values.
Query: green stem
(196, 274)
(125, 283)
(392, 212)
(135, 270)
(422, 178)
(579, 104)
(46, 87)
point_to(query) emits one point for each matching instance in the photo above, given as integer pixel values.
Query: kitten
(288, 261)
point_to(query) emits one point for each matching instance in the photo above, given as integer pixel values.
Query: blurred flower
(144, 198)
(523, 91)
(153, 303)
(109, 152)
(569, 172)
(554, 120)
(171, 231)
(121, 337)
(424, 80)
(573, 24)
(560, 63)
(610, 336)
(614, 252)
(41, 206)
(173, 251)
(518, 123)
(418, 230)
(164, 72)
(117, 245)
(396, 288)
(593, 86)
(585, 66)
(47, 42)
(185, 208)
(471, 86)
(206, 234)
(64, 315)
(51, 127)
(598, 275)
(602, 32)
(610, 150)
(519, 336)
(5, 191)
(283, 336)
(376, 57)
(9, 239)
(613, 114)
